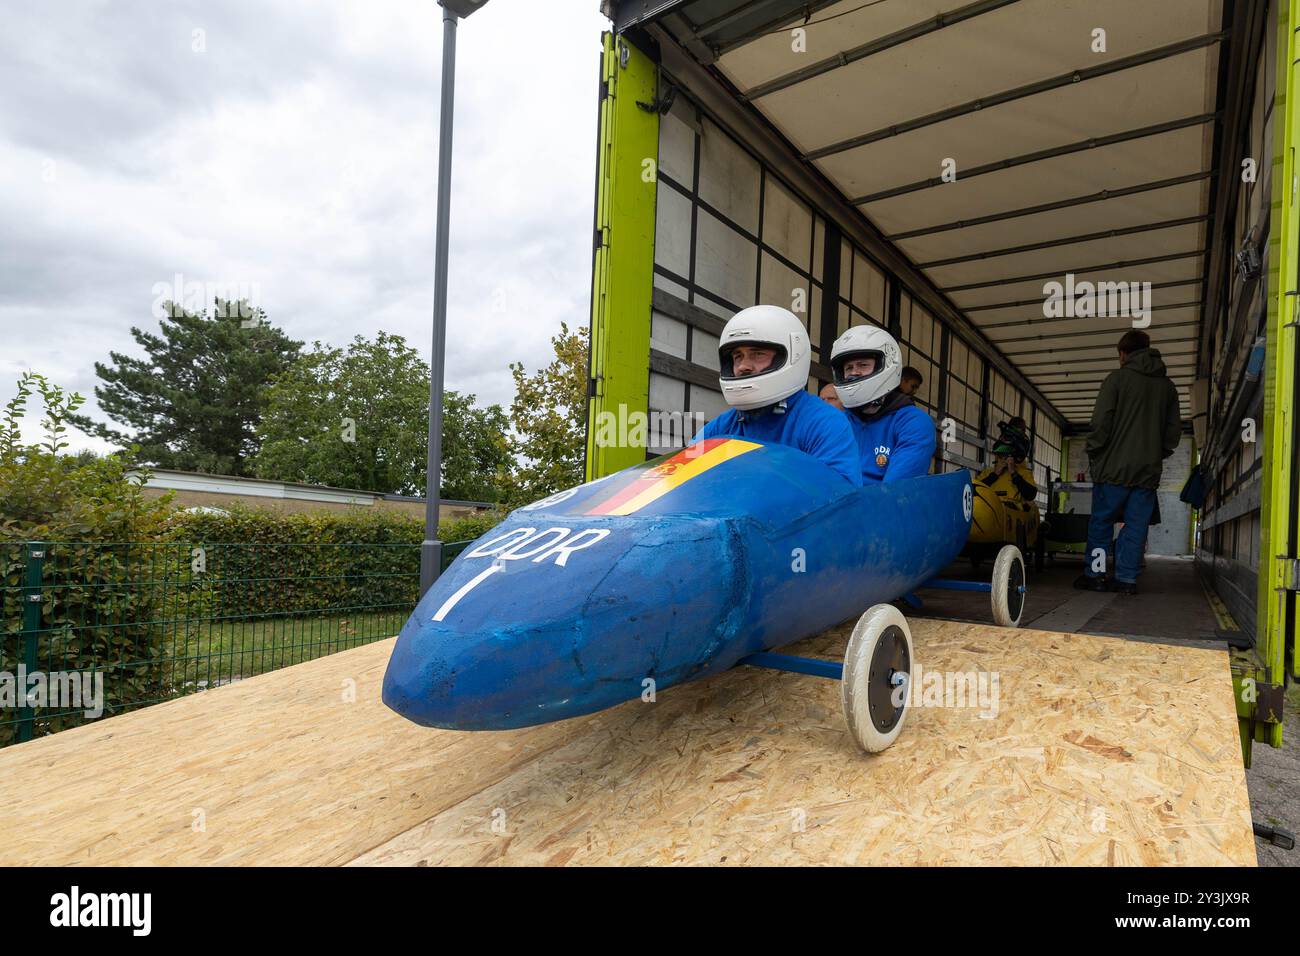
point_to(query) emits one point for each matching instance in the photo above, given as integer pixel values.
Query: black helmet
(1013, 439)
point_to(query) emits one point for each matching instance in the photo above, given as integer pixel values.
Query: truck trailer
(1007, 186)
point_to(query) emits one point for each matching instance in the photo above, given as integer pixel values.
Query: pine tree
(194, 402)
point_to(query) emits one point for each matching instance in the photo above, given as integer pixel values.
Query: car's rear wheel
(1008, 587)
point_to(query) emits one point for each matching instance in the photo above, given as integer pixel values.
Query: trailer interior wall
(960, 156)
(731, 231)
(1232, 451)
(934, 166)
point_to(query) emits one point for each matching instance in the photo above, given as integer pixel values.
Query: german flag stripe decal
(654, 483)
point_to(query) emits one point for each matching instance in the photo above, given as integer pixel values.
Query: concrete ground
(1274, 782)
(1171, 607)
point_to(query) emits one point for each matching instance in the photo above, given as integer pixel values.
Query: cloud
(292, 146)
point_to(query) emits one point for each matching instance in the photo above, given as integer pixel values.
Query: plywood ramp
(1098, 751)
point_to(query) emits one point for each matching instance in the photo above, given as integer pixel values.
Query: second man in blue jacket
(895, 438)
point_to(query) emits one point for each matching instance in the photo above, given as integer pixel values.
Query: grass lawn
(221, 651)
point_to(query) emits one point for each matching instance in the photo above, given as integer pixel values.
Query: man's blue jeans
(1111, 503)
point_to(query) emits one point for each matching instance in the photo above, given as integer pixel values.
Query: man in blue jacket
(764, 360)
(895, 438)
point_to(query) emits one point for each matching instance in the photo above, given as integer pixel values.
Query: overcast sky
(291, 146)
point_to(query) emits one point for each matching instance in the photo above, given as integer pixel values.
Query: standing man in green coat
(1135, 427)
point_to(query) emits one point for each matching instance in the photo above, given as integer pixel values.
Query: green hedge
(255, 561)
(93, 618)
(469, 527)
(124, 592)
(261, 561)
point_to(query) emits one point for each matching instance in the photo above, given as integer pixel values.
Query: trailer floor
(1096, 751)
(1171, 605)
(1171, 608)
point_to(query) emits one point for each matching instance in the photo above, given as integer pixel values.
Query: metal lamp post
(431, 548)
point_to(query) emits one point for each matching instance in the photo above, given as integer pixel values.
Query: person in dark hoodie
(895, 438)
(1135, 427)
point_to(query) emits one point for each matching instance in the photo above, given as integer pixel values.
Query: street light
(431, 548)
(461, 8)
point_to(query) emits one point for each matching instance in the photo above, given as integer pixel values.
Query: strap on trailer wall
(627, 144)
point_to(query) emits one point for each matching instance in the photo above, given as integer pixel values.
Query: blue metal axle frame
(796, 665)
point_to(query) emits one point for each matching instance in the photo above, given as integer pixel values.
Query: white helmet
(773, 327)
(866, 341)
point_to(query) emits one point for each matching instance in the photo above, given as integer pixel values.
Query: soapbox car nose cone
(419, 687)
(434, 683)
(505, 640)
(503, 678)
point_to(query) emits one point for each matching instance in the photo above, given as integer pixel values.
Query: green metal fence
(96, 629)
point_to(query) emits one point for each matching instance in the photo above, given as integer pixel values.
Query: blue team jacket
(808, 424)
(894, 446)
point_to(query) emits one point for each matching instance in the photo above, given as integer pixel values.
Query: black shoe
(1085, 582)
(1125, 587)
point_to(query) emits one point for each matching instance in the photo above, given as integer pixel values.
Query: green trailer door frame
(623, 267)
(1275, 648)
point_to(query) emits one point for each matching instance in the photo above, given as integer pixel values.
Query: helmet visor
(727, 364)
(850, 367)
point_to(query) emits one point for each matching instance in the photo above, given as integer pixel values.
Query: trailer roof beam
(1100, 196)
(1110, 345)
(800, 11)
(1110, 333)
(1066, 241)
(1181, 381)
(897, 38)
(1038, 301)
(1018, 93)
(1102, 364)
(1022, 323)
(1081, 270)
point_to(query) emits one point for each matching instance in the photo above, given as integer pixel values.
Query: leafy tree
(358, 418)
(48, 495)
(193, 403)
(549, 416)
(95, 616)
(475, 448)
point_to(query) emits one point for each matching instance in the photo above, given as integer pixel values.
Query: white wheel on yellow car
(1008, 587)
(877, 674)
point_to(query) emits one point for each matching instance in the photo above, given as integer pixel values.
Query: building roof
(170, 480)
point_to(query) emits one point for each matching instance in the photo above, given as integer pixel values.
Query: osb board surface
(1101, 752)
(278, 769)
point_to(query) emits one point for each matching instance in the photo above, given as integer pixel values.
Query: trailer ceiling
(1067, 159)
